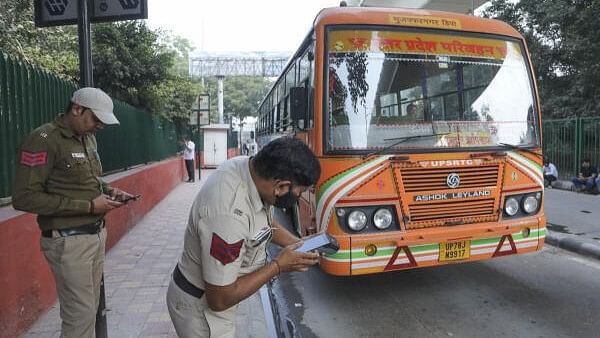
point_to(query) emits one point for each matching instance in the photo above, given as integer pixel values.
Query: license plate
(453, 251)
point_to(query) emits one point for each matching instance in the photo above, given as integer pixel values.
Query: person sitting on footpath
(224, 258)
(586, 179)
(58, 178)
(550, 173)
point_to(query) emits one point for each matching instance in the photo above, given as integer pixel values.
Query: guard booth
(215, 145)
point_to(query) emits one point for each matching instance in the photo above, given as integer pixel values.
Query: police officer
(57, 178)
(224, 254)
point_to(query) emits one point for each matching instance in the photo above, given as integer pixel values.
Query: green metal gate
(568, 141)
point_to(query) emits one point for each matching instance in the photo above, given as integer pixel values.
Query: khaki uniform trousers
(77, 263)
(193, 318)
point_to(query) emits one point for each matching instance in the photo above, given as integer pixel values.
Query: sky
(228, 26)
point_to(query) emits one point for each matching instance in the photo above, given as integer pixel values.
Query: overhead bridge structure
(265, 64)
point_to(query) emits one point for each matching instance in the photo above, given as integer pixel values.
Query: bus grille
(449, 212)
(425, 179)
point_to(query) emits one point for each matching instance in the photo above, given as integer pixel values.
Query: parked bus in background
(427, 126)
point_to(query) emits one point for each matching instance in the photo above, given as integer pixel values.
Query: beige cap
(98, 101)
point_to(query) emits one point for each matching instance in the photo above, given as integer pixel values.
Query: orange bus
(427, 126)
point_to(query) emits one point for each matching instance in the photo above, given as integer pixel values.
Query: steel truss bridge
(265, 64)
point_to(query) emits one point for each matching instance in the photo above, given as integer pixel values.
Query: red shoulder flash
(225, 252)
(33, 159)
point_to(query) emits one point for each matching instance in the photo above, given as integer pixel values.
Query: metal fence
(569, 141)
(30, 96)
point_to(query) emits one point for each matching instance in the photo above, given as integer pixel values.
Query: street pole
(86, 79)
(220, 97)
(85, 46)
(241, 146)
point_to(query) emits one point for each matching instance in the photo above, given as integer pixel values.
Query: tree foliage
(564, 44)
(54, 48)
(132, 62)
(241, 95)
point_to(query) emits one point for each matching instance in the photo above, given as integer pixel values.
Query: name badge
(78, 155)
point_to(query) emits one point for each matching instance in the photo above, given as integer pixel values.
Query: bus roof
(413, 18)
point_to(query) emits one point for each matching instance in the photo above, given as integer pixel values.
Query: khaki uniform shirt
(225, 218)
(57, 176)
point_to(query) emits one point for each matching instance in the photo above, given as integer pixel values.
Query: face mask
(286, 201)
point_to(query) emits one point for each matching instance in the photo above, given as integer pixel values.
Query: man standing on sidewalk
(58, 178)
(224, 255)
(189, 150)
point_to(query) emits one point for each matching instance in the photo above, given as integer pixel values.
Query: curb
(570, 243)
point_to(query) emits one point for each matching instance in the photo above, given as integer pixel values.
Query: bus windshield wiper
(400, 140)
(518, 147)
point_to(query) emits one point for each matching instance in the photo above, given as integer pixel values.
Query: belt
(185, 285)
(86, 229)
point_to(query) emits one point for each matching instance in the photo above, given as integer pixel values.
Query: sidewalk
(137, 273)
(573, 220)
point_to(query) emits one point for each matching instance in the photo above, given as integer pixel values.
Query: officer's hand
(120, 195)
(291, 260)
(104, 204)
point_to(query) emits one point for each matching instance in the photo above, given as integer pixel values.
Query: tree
(130, 64)
(564, 46)
(182, 47)
(53, 48)
(241, 95)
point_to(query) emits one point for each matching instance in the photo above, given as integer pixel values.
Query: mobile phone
(129, 198)
(321, 242)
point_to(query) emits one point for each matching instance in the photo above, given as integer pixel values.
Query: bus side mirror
(298, 111)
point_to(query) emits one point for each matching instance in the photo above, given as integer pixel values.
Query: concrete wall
(27, 287)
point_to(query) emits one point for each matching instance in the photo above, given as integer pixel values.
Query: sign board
(201, 108)
(204, 102)
(203, 117)
(65, 12)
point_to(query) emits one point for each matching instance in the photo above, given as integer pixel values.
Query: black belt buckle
(185, 285)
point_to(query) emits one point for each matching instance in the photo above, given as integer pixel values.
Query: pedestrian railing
(568, 141)
(31, 96)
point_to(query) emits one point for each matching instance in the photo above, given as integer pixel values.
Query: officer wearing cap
(224, 255)
(58, 178)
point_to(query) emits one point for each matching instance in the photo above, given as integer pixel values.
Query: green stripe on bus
(357, 254)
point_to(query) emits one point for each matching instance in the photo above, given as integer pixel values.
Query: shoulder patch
(44, 134)
(238, 212)
(225, 252)
(33, 159)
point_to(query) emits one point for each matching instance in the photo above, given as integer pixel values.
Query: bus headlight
(357, 220)
(530, 204)
(511, 206)
(382, 219)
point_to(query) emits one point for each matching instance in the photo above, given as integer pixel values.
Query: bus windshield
(430, 91)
